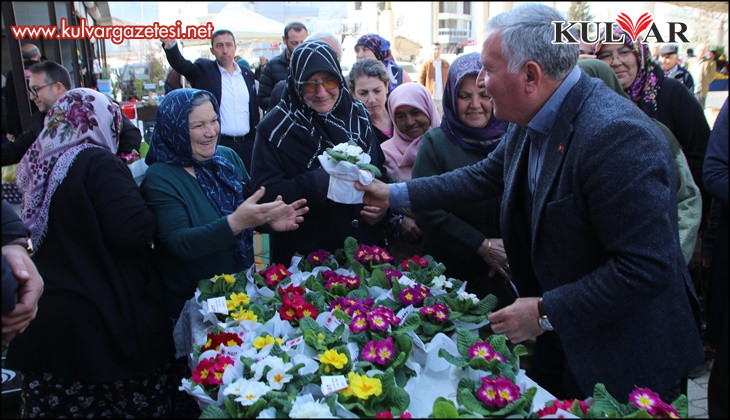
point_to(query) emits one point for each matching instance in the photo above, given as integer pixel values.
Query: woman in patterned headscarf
(197, 191)
(467, 239)
(317, 112)
(100, 309)
(377, 47)
(662, 98)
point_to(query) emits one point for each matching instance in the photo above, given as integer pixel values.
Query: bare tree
(580, 10)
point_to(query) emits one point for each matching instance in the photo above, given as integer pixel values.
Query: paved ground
(697, 394)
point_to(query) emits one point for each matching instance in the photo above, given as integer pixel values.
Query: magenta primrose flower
(380, 352)
(438, 311)
(318, 257)
(414, 294)
(372, 254)
(498, 392)
(484, 350)
(352, 306)
(391, 274)
(332, 278)
(359, 323)
(646, 399)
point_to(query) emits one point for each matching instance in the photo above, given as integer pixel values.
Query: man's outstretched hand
(376, 194)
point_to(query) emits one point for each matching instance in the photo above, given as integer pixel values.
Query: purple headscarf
(649, 75)
(483, 139)
(381, 48)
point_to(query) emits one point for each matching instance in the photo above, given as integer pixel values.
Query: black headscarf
(300, 131)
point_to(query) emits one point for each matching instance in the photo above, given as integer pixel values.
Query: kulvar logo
(567, 32)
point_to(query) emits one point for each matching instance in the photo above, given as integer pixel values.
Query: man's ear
(533, 76)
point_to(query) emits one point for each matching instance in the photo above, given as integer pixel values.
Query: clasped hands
(277, 214)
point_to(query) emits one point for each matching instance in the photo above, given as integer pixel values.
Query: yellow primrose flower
(362, 387)
(334, 358)
(261, 342)
(244, 315)
(227, 277)
(240, 298)
(231, 305)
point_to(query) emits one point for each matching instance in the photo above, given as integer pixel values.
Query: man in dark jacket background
(49, 81)
(277, 68)
(232, 85)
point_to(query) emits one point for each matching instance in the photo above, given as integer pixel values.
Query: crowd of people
(572, 182)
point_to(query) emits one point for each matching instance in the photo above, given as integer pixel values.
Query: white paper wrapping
(342, 179)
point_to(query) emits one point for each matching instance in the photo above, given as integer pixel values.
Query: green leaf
(350, 248)
(682, 406)
(604, 405)
(378, 279)
(317, 299)
(459, 362)
(213, 412)
(464, 340)
(486, 305)
(411, 323)
(368, 167)
(444, 409)
(465, 396)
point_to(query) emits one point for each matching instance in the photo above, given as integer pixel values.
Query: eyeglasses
(608, 56)
(33, 91)
(311, 87)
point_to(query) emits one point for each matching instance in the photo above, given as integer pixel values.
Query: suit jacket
(204, 74)
(598, 239)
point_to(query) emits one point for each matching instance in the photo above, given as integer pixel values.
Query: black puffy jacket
(275, 69)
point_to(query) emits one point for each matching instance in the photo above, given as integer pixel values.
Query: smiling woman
(316, 112)
(197, 192)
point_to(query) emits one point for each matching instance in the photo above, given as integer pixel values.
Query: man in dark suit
(589, 219)
(231, 84)
(49, 81)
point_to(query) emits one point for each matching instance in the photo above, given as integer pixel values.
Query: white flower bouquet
(347, 163)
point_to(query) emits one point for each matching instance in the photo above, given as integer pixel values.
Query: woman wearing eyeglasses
(316, 112)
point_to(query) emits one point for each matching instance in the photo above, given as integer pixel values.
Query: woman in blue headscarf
(377, 47)
(466, 239)
(197, 192)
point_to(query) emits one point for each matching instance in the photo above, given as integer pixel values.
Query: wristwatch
(543, 321)
(25, 243)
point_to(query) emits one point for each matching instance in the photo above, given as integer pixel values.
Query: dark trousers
(243, 148)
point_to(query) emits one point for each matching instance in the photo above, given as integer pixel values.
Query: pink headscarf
(400, 150)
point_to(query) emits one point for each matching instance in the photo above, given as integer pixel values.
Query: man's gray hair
(328, 38)
(527, 33)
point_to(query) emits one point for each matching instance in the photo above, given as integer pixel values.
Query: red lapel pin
(561, 148)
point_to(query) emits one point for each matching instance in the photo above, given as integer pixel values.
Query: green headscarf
(599, 69)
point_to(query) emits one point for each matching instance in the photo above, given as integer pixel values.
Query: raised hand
(288, 217)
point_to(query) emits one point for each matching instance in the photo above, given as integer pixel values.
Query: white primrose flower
(272, 361)
(463, 295)
(354, 150)
(310, 410)
(277, 376)
(440, 282)
(251, 391)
